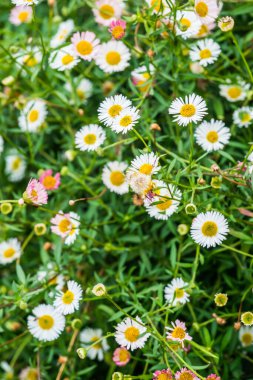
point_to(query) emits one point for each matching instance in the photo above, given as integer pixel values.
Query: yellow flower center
(68, 297)
(80, 94)
(67, 59)
(203, 30)
(117, 31)
(212, 137)
(49, 182)
(156, 5)
(164, 205)
(46, 322)
(164, 376)
(34, 193)
(205, 53)
(178, 333)
(185, 376)
(201, 9)
(115, 110)
(64, 225)
(90, 139)
(33, 116)
(97, 346)
(16, 163)
(84, 47)
(245, 117)
(234, 92)
(179, 293)
(125, 121)
(106, 11)
(209, 229)
(117, 178)
(247, 339)
(123, 355)
(113, 58)
(23, 16)
(185, 23)
(9, 252)
(146, 169)
(30, 61)
(187, 110)
(132, 334)
(32, 374)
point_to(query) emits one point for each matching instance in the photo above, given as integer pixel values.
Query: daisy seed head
(247, 318)
(220, 299)
(226, 23)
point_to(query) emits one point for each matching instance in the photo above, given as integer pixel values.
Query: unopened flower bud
(216, 182)
(64, 170)
(80, 112)
(81, 352)
(137, 200)
(150, 53)
(51, 3)
(62, 359)
(247, 318)
(76, 324)
(155, 127)
(196, 68)
(40, 229)
(226, 23)
(190, 209)
(201, 181)
(182, 229)
(117, 376)
(99, 290)
(221, 321)
(70, 155)
(237, 326)
(6, 208)
(22, 305)
(220, 299)
(215, 168)
(8, 81)
(47, 246)
(108, 86)
(21, 202)
(71, 202)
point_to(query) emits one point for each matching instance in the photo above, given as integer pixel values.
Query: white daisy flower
(46, 323)
(86, 45)
(205, 52)
(33, 115)
(105, 11)
(178, 332)
(63, 59)
(74, 231)
(1, 144)
(25, 2)
(66, 226)
(206, 10)
(126, 120)
(163, 200)
(89, 337)
(29, 373)
(15, 166)
(204, 30)
(83, 88)
(140, 183)
(142, 76)
(147, 163)
(30, 57)
(175, 293)
(67, 302)
(209, 229)
(243, 116)
(246, 335)
(187, 24)
(212, 135)
(191, 109)
(21, 15)
(113, 57)
(49, 276)
(64, 30)
(10, 250)
(114, 177)
(131, 334)
(90, 137)
(111, 107)
(234, 92)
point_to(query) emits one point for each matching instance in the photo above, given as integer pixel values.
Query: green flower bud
(76, 324)
(247, 318)
(99, 290)
(182, 229)
(190, 209)
(6, 208)
(40, 229)
(64, 170)
(81, 352)
(216, 182)
(220, 299)
(22, 305)
(117, 376)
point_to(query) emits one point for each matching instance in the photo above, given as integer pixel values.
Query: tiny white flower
(10, 250)
(67, 302)
(234, 92)
(63, 59)
(175, 293)
(64, 30)
(187, 24)
(243, 116)
(107, 10)
(191, 109)
(86, 45)
(33, 115)
(113, 56)
(147, 163)
(25, 2)
(205, 52)
(206, 10)
(212, 135)
(83, 88)
(114, 177)
(46, 323)
(89, 337)
(209, 229)
(246, 335)
(126, 120)
(15, 166)
(131, 334)
(111, 107)
(90, 137)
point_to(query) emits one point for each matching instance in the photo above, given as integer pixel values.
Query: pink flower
(117, 29)
(164, 374)
(121, 356)
(213, 377)
(185, 373)
(178, 332)
(86, 45)
(35, 193)
(49, 181)
(20, 15)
